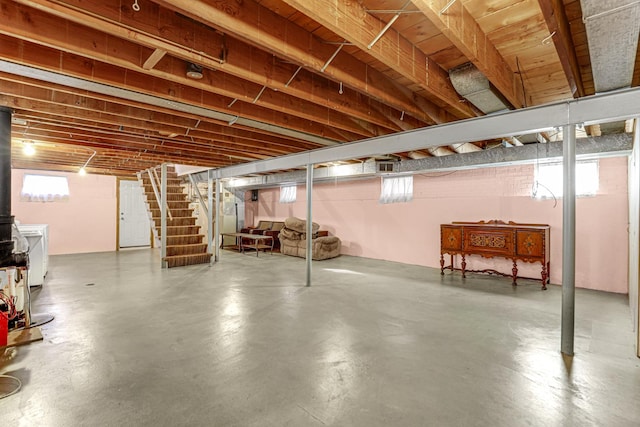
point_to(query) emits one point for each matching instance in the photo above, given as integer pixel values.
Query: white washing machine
(38, 237)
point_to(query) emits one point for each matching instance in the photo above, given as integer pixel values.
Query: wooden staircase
(184, 242)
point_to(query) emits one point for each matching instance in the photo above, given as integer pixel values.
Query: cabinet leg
(514, 272)
(544, 277)
(464, 266)
(442, 264)
(548, 273)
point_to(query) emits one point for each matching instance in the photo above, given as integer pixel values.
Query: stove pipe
(6, 220)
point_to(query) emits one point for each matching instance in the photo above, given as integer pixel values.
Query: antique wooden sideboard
(517, 242)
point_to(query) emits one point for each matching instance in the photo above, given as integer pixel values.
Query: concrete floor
(369, 344)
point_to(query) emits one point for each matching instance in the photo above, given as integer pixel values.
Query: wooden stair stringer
(184, 242)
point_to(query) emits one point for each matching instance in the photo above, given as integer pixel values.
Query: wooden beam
(123, 142)
(105, 73)
(38, 27)
(249, 21)
(457, 24)
(351, 21)
(560, 32)
(70, 102)
(166, 151)
(207, 48)
(154, 58)
(246, 147)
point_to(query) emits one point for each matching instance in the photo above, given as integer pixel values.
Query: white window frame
(396, 189)
(548, 180)
(44, 188)
(288, 193)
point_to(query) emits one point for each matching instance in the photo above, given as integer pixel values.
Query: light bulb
(28, 149)
(82, 171)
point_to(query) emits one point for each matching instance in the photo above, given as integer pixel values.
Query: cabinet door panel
(530, 244)
(450, 238)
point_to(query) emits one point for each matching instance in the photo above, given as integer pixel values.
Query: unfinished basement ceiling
(107, 80)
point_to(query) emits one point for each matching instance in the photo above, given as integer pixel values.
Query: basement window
(548, 180)
(288, 193)
(44, 188)
(396, 189)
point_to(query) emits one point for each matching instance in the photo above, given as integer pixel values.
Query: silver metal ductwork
(473, 86)
(612, 27)
(604, 146)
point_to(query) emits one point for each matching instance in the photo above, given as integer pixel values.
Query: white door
(134, 219)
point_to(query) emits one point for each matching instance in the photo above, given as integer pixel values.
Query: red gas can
(4, 328)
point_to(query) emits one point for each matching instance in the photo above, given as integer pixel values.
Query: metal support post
(217, 224)
(309, 220)
(163, 216)
(568, 238)
(6, 219)
(210, 224)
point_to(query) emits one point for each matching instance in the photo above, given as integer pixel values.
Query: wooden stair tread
(184, 242)
(174, 218)
(186, 256)
(184, 260)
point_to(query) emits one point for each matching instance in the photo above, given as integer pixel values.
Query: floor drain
(9, 385)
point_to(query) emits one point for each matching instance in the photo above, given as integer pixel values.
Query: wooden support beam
(560, 33)
(206, 47)
(106, 73)
(154, 58)
(247, 20)
(272, 107)
(392, 49)
(74, 103)
(221, 143)
(457, 24)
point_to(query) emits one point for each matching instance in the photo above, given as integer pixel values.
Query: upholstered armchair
(293, 240)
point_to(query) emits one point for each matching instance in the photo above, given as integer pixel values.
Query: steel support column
(6, 219)
(309, 220)
(210, 216)
(163, 216)
(217, 223)
(568, 238)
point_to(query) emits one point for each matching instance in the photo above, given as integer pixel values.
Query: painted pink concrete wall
(410, 232)
(84, 223)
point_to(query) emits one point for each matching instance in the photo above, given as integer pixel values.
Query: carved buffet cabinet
(517, 242)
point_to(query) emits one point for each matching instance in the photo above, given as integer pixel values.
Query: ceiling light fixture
(28, 148)
(194, 71)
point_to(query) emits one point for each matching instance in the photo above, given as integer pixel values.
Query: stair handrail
(153, 176)
(202, 203)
